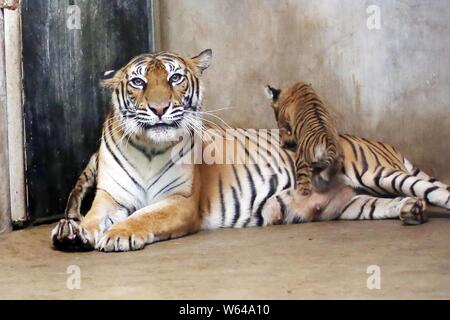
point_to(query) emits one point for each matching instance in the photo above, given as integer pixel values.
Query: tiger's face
(284, 108)
(158, 95)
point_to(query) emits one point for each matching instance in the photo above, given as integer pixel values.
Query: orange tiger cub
(305, 124)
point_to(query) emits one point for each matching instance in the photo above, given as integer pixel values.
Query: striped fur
(374, 169)
(305, 121)
(377, 182)
(143, 193)
(380, 170)
(146, 194)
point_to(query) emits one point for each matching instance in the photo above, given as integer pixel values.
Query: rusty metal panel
(65, 44)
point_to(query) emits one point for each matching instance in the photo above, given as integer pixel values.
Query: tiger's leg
(289, 206)
(85, 182)
(172, 217)
(340, 203)
(410, 210)
(414, 171)
(70, 235)
(400, 183)
(304, 186)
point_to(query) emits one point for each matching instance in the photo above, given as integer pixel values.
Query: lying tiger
(146, 194)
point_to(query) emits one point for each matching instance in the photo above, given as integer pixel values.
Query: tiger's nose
(159, 110)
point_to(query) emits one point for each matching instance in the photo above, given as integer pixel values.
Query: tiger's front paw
(120, 238)
(68, 235)
(413, 211)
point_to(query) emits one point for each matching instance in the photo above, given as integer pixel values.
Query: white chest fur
(136, 175)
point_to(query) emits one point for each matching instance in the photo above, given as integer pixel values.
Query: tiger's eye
(175, 78)
(138, 82)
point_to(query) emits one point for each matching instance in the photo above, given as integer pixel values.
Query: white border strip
(155, 40)
(14, 103)
(5, 198)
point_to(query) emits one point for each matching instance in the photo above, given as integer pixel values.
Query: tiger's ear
(272, 93)
(203, 60)
(110, 78)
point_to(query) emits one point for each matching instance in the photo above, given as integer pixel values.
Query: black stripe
(374, 154)
(347, 138)
(348, 206)
(237, 178)
(412, 188)
(428, 191)
(253, 193)
(358, 177)
(383, 151)
(197, 88)
(288, 182)
(291, 165)
(175, 186)
(222, 202)
(120, 163)
(122, 95)
(167, 186)
(110, 220)
(237, 206)
(85, 175)
(169, 165)
(112, 198)
(364, 161)
(377, 180)
(372, 209)
(121, 187)
(259, 147)
(390, 173)
(250, 156)
(282, 207)
(165, 168)
(273, 188)
(362, 209)
(113, 139)
(393, 182)
(149, 154)
(402, 182)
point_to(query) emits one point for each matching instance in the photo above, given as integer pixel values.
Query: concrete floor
(309, 261)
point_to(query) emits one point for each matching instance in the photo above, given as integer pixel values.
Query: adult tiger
(369, 167)
(144, 193)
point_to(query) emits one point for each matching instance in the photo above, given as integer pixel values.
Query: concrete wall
(391, 84)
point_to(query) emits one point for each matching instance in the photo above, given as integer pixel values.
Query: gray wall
(391, 84)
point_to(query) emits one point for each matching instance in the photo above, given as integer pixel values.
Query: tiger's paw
(119, 238)
(305, 191)
(68, 235)
(413, 211)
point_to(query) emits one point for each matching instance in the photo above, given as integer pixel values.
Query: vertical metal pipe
(5, 198)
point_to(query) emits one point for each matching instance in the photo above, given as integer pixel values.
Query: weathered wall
(64, 104)
(5, 205)
(391, 84)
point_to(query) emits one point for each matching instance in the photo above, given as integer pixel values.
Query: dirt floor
(317, 260)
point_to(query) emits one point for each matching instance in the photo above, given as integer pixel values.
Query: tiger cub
(305, 124)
